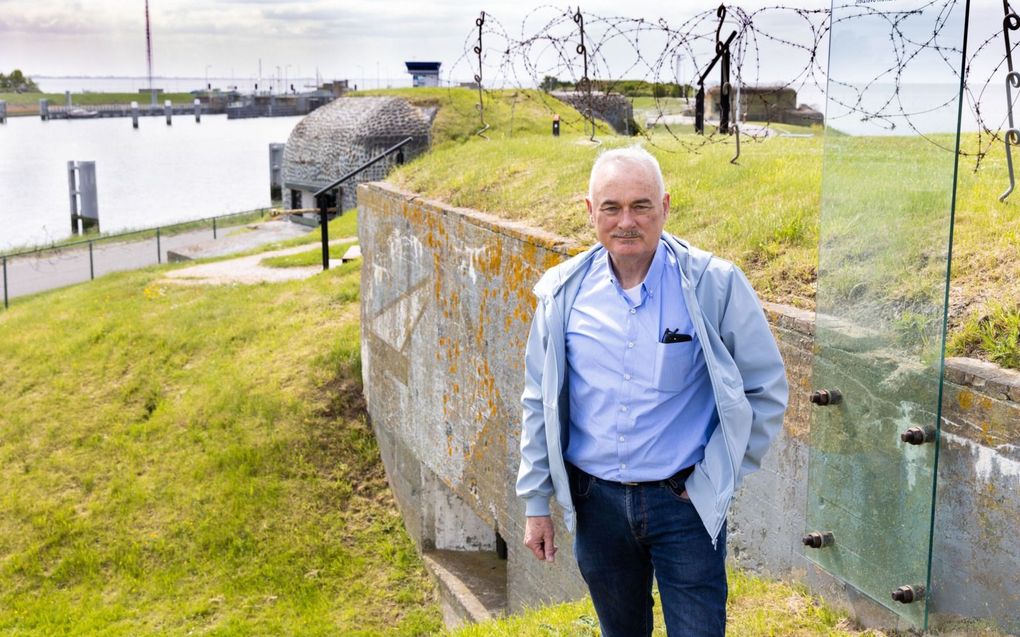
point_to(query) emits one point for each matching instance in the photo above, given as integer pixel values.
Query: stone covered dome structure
(340, 136)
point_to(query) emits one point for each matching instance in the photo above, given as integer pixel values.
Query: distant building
(424, 73)
(765, 104)
(338, 88)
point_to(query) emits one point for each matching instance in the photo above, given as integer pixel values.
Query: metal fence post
(5, 283)
(92, 268)
(159, 251)
(214, 228)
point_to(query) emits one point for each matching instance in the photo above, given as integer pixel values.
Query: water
(152, 176)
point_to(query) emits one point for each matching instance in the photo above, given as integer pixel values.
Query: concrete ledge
(472, 585)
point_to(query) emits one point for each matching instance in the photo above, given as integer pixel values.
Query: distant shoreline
(27, 104)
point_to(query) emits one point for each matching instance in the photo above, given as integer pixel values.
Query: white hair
(631, 154)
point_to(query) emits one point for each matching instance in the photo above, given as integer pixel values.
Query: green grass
(509, 113)
(756, 608)
(763, 214)
(305, 259)
(226, 224)
(993, 335)
(181, 460)
(93, 99)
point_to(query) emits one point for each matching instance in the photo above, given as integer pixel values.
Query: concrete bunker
(340, 136)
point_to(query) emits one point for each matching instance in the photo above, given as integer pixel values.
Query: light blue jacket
(743, 361)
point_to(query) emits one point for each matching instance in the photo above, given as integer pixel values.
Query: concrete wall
(615, 110)
(446, 307)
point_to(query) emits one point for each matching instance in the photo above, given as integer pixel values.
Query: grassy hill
(761, 214)
(183, 460)
(510, 114)
(196, 460)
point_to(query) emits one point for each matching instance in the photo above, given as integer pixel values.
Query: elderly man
(652, 387)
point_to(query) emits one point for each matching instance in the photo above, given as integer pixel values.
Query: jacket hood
(693, 263)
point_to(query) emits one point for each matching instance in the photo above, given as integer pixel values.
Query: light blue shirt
(640, 409)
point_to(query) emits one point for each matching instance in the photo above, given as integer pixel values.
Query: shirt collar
(652, 279)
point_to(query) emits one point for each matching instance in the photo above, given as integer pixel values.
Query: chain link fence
(31, 271)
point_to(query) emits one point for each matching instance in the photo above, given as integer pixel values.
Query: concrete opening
(464, 554)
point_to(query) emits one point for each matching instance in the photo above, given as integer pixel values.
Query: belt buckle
(630, 484)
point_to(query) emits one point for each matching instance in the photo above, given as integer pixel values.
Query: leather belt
(676, 480)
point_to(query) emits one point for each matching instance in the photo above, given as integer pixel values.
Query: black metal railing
(322, 195)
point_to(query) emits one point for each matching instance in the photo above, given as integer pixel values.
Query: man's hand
(538, 536)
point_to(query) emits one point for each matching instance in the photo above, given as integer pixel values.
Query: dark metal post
(92, 268)
(72, 187)
(5, 283)
(324, 227)
(699, 110)
(159, 250)
(214, 228)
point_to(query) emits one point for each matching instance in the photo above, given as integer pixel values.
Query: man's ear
(591, 212)
(665, 206)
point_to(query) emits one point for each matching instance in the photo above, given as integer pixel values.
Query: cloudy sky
(342, 38)
(359, 40)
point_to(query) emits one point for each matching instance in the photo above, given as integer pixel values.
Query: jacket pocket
(672, 368)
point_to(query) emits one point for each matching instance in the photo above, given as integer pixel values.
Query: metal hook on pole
(480, 22)
(722, 53)
(1010, 22)
(1012, 137)
(582, 50)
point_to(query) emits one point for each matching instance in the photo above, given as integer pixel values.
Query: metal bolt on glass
(816, 540)
(908, 594)
(824, 397)
(918, 435)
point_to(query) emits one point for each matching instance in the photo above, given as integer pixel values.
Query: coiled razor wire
(561, 43)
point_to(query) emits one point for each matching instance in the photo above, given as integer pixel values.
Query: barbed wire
(600, 54)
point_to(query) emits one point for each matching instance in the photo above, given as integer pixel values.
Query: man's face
(626, 210)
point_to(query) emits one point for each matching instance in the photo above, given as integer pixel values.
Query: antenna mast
(148, 49)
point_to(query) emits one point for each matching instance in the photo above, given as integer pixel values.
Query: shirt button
(623, 407)
(633, 311)
(623, 466)
(626, 377)
(630, 345)
(622, 438)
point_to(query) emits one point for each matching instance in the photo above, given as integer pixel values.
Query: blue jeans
(627, 534)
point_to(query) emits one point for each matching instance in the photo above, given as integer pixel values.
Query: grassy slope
(180, 459)
(756, 608)
(509, 113)
(762, 214)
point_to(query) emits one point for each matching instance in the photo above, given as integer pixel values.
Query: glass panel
(892, 122)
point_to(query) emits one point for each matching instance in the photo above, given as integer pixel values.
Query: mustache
(626, 235)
